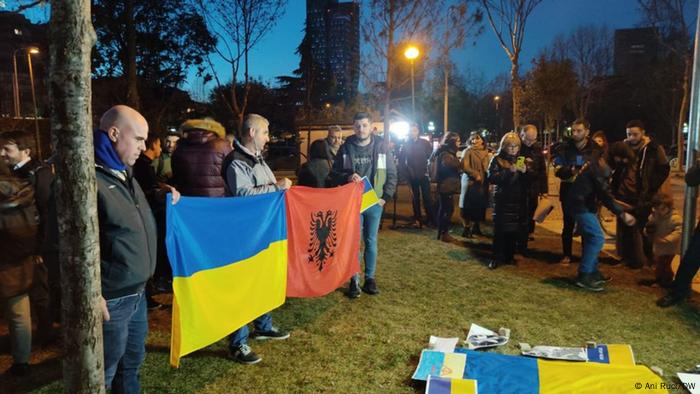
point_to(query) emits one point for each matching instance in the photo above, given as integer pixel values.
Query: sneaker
(354, 289)
(492, 265)
(671, 299)
(370, 287)
(274, 333)
(245, 355)
(565, 262)
(21, 369)
(588, 282)
(600, 278)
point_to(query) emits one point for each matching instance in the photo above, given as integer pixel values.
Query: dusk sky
(275, 55)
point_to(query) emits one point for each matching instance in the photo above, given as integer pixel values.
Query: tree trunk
(72, 38)
(517, 91)
(683, 110)
(446, 99)
(132, 90)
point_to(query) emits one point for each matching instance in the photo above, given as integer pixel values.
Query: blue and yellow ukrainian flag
(229, 260)
(369, 196)
(437, 385)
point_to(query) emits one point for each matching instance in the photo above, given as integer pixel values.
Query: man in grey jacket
(247, 174)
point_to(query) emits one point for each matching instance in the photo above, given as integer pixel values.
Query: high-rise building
(333, 29)
(635, 49)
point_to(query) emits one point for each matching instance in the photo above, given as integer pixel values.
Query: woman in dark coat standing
(508, 172)
(475, 194)
(448, 170)
(316, 171)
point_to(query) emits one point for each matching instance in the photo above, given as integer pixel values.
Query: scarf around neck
(105, 153)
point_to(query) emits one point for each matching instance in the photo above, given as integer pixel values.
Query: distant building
(635, 49)
(17, 34)
(334, 32)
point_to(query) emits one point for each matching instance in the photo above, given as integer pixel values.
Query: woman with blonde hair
(508, 172)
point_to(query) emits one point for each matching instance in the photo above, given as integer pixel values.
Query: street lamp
(411, 54)
(15, 90)
(496, 100)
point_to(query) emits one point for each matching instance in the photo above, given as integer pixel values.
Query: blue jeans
(592, 239)
(240, 336)
(125, 342)
(19, 319)
(369, 227)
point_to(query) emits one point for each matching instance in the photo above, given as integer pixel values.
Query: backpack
(433, 164)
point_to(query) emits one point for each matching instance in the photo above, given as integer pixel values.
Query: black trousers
(690, 263)
(445, 210)
(504, 243)
(421, 187)
(567, 232)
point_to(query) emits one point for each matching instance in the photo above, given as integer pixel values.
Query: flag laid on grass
(229, 265)
(369, 196)
(450, 386)
(324, 238)
(499, 373)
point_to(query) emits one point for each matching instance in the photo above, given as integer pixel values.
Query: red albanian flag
(323, 238)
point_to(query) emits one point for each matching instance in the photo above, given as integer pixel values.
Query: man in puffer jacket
(198, 159)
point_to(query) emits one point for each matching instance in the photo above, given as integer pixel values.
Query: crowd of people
(135, 170)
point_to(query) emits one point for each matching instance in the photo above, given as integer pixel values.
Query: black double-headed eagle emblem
(323, 237)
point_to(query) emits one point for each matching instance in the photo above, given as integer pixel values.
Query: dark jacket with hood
(197, 164)
(448, 170)
(652, 169)
(317, 171)
(382, 168)
(589, 182)
(510, 212)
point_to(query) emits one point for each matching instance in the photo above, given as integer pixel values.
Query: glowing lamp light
(411, 53)
(400, 129)
(431, 126)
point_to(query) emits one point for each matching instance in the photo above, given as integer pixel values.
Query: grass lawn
(372, 344)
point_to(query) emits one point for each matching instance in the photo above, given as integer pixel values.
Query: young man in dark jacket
(589, 187)
(18, 239)
(413, 163)
(16, 149)
(651, 170)
(365, 154)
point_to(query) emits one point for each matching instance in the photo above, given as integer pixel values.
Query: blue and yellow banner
(450, 386)
(369, 196)
(500, 373)
(229, 260)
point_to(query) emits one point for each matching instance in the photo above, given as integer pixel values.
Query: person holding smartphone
(507, 172)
